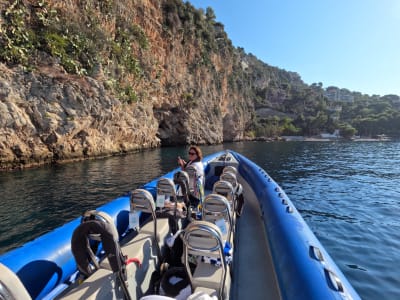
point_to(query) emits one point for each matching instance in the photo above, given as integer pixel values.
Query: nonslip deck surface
(254, 277)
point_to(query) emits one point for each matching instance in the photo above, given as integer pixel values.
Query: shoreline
(320, 139)
(15, 166)
(336, 139)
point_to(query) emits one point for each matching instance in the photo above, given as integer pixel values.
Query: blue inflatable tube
(304, 269)
(51, 253)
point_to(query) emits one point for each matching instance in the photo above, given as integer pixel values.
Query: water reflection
(309, 213)
(348, 193)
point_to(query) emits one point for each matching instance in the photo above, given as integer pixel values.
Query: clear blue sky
(353, 44)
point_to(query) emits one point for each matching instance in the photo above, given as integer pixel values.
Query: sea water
(347, 192)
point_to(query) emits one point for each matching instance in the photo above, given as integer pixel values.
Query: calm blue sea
(348, 193)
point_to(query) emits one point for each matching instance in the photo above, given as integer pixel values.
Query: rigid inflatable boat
(153, 243)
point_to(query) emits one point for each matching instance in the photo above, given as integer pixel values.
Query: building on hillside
(335, 94)
(334, 109)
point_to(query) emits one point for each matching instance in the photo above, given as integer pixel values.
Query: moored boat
(264, 251)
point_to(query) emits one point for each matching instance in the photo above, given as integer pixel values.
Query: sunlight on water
(349, 194)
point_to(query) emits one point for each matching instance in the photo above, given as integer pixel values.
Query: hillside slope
(82, 79)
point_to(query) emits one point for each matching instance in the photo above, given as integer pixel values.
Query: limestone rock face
(184, 95)
(48, 116)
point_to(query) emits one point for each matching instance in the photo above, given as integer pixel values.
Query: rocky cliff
(83, 79)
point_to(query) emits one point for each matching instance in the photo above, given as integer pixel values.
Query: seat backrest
(231, 169)
(215, 209)
(166, 190)
(181, 178)
(103, 231)
(230, 177)
(142, 200)
(101, 216)
(192, 172)
(225, 189)
(204, 239)
(166, 186)
(11, 286)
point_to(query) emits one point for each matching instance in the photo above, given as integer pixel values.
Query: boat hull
(303, 268)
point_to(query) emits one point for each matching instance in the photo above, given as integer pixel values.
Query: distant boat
(375, 138)
(382, 137)
(263, 251)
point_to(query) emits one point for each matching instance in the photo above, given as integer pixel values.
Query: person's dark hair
(198, 151)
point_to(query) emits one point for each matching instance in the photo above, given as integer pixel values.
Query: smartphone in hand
(180, 161)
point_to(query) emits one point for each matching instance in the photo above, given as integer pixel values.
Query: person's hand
(181, 162)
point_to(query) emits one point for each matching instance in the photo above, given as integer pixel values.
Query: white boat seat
(100, 229)
(103, 283)
(208, 275)
(217, 210)
(202, 293)
(101, 216)
(192, 172)
(231, 178)
(168, 204)
(11, 286)
(181, 178)
(142, 200)
(156, 297)
(97, 286)
(145, 239)
(202, 238)
(230, 169)
(167, 199)
(226, 189)
(166, 186)
(237, 187)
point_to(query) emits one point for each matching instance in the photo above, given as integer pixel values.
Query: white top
(200, 180)
(199, 169)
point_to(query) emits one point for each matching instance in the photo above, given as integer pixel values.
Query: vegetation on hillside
(76, 39)
(99, 37)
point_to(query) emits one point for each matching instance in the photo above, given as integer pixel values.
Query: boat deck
(254, 278)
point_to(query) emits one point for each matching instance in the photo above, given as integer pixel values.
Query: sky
(352, 44)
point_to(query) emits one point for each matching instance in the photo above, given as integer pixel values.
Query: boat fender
(81, 250)
(175, 282)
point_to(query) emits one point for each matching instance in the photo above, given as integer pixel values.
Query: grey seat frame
(142, 200)
(217, 206)
(205, 239)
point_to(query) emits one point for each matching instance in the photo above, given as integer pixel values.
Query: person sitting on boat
(197, 191)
